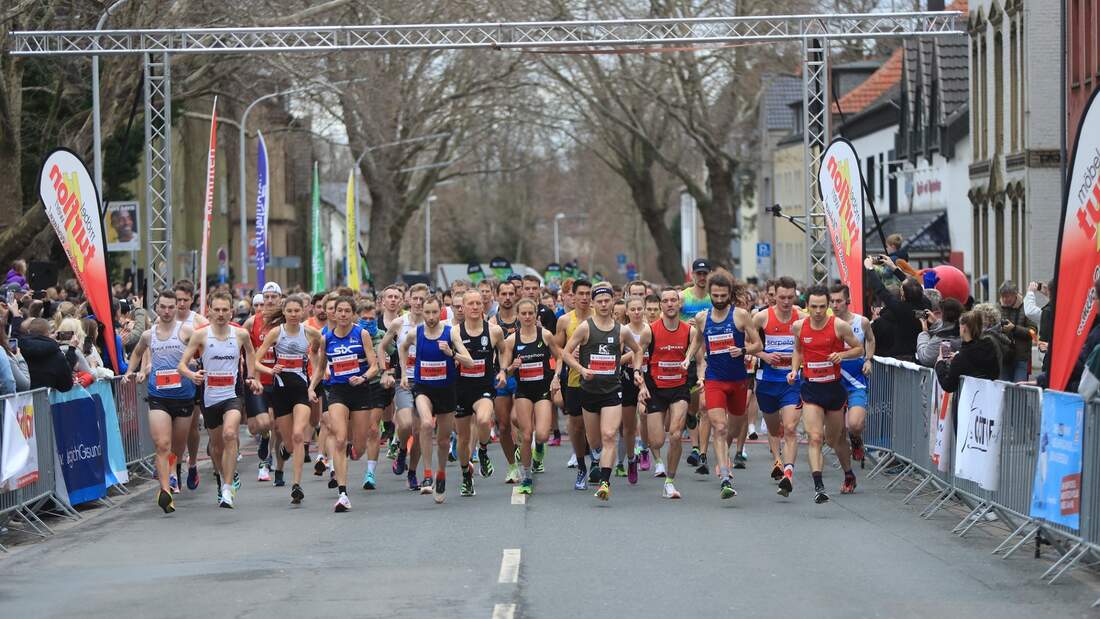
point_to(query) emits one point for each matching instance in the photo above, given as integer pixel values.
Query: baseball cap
(700, 264)
(272, 287)
(258, 299)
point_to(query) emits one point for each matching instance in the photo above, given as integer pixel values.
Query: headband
(602, 290)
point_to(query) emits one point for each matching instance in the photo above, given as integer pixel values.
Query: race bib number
(345, 365)
(820, 371)
(269, 357)
(220, 379)
(475, 371)
(530, 371)
(670, 370)
(433, 370)
(167, 379)
(720, 343)
(294, 362)
(603, 364)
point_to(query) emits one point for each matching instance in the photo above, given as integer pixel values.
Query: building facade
(1082, 61)
(1015, 127)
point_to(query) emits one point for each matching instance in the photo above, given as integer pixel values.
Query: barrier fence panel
(133, 421)
(25, 502)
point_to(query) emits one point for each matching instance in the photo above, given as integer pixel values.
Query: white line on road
(504, 611)
(517, 497)
(509, 566)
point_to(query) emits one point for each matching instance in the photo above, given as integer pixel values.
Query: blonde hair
(64, 310)
(991, 315)
(74, 325)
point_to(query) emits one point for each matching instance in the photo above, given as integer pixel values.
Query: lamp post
(428, 235)
(97, 135)
(557, 248)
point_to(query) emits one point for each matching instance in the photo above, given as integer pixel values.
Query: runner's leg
(523, 414)
(231, 443)
(160, 428)
(338, 437)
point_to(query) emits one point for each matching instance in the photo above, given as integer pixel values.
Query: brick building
(1082, 60)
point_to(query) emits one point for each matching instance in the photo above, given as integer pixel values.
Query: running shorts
(177, 408)
(443, 399)
(293, 391)
(355, 398)
(857, 396)
(830, 396)
(509, 388)
(628, 388)
(593, 402)
(731, 395)
(379, 396)
(660, 400)
(402, 398)
(214, 416)
(533, 390)
(571, 397)
(467, 394)
(773, 395)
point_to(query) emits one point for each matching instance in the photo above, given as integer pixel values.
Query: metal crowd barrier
(903, 409)
(22, 508)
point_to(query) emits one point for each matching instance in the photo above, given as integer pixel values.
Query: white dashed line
(504, 611)
(509, 566)
(518, 498)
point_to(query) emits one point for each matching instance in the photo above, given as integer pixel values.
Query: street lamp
(557, 248)
(97, 135)
(428, 235)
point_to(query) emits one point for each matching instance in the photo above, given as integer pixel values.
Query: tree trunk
(11, 148)
(718, 214)
(644, 193)
(383, 248)
(18, 237)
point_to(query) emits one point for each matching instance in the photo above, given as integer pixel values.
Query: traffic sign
(763, 250)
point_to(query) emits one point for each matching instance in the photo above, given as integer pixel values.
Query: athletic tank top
(778, 338)
(817, 345)
(629, 376)
(574, 379)
(345, 356)
(433, 368)
(720, 339)
(190, 320)
(534, 356)
(601, 354)
(691, 305)
(164, 379)
(480, 348)
(852, 369)
(221, 359)
(292, 351)
(257, 332)
(508, 327)
(667, 351)
(410, 361)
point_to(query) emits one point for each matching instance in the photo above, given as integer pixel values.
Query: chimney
(935, 5)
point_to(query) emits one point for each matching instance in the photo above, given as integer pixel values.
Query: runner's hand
(835, 357)
(356, 380)
(643, 396)
(867, 367)
(502, 377)
(736, 351)
(276, 369)
(515, 364)
(388, 381)
(771, 358)
(586, 373)
(555, 384)
(685, 364)
(198, 377)
(312, 394)
(255, 386)
(791, 376)
(405, 383)
(445, 348)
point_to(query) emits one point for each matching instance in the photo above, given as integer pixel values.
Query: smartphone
(945, 349)
(11, 297)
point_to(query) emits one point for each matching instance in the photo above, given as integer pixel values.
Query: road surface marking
(509, 566)
(504, 611)
(518, 498)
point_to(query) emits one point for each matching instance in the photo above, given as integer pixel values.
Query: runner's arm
(269, 341)
(387, 340)
(752, 337)
(249, 353)
(580, 336)
(505, 353)
(193, 343)
(373, 369)
(796, 354)
(868, 339)
(844, 332)
(458, 350)
(319, 365)
(136, 354)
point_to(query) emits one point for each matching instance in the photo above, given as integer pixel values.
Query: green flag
(318, 262)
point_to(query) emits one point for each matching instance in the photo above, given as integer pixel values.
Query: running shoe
(343, 504)
(391, 451)
(452, 455)
(264, 474)
(411, 479)
(466, 488)
(473, 457)
(332, 483)
(368, 481)
(226, 498)
(693, 457)
(399, 463)
(620, 470)
(703, 469)
(305, 453)
(264, 449)
(752, 432)
(192, 477)
(670, 491)
(440, 490)
(777, 470)
(632, 472)
(319, 468)
(785, 486)
(296, 495)
(555, 441)
(727, 491)
(603, 493)
(582, 481)
(538, 459)
(513, 474)
(857, 447)
(283, 453)
(165, 502)
(849, 485)
(572, 461)
(644, 460)
(659, 470)
(485, 466)
(692, 421)
(594, 473)
(426, 485)
(236, 481)
(526, 486)
(820, 496)
(278, 481)
(173, 484)
(738, 461)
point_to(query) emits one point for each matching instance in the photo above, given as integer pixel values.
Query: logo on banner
(842, 194)
(18, 444)
(978, 454)
(1056, 493)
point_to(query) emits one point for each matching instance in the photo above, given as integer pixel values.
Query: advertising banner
(1078, 262)
(475, 273)
(19, 448)
(211, 162)
(978, 454)
(552, 275)
(352, 224)
(841, 181)
(122, 227)
(318, 261)
(261, 211)
(72, 206)
(1056, 494)
(104, 397)
(500, 267)
(942, 431)
(80, 446)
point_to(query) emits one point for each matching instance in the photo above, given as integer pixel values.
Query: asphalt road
(562, 553)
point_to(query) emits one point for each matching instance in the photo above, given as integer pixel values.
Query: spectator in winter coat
(978, 356)
(946, 330)
(46, 362)
(1018, 327)
(17, 274)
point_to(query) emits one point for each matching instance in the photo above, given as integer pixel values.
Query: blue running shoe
(368, 481)
(399, 464)
(452, 456)
(414, 485)
(192, 477)
(582, 481)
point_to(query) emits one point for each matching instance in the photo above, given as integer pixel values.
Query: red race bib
(295, 362)
(476, 371)
(820, 372)
(602, 364)
(167, 379)
(670, 371)
(530, 371)
(721, 343)
(345, 365)
(220, 379)
(433, 370)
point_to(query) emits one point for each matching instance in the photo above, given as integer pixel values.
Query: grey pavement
(397, 554)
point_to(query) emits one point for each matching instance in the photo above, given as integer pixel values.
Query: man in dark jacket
(1017, 327)
(46, 362)
(902, 313)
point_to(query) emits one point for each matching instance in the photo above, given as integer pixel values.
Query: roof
(873, 87)
(922, 231)
(858, 65)
(780, 92)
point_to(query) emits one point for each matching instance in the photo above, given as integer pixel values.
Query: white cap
(272, 287)
(258, 299)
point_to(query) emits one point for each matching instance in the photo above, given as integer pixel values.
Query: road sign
(763, 250)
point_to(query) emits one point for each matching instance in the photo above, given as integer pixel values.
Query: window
(1000, 242)
(881, 174)
(894, 167)
(998, 94)
(1013, 102)
(870, 180)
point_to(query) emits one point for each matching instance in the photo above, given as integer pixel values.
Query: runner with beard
(693, 300)
(507, 319)
(405, 416)
(477, 386)
(581, 294)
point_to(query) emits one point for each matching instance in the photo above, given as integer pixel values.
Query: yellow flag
(353, 236)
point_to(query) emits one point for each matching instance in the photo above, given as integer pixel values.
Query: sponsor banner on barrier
(80, 445)
(841, 181)
(978, 454)
(106, 408)
(19, 447)
(1056, 494)
(942, 430)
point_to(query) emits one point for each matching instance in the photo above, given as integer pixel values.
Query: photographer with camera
(903, 314)
(1019, 328)
(935, 334)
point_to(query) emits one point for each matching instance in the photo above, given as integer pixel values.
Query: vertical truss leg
(815, 139)
(158, 173)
